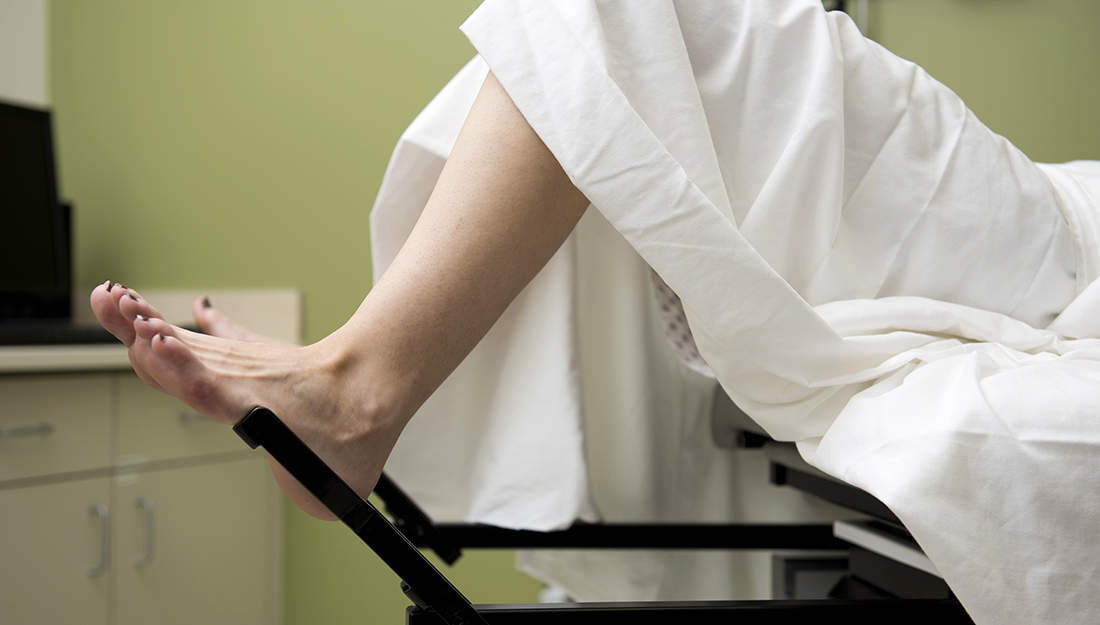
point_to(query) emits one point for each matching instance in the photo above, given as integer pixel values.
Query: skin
(500, 209)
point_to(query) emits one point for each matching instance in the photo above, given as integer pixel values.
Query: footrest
(261, 428)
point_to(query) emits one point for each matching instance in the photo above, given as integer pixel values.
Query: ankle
(366, 384)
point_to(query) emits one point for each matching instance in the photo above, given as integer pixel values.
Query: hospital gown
(867, 269)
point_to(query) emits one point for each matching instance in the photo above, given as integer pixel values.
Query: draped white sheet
(869, 271)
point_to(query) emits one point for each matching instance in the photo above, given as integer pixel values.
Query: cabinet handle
(15, 431)
(146, 558)
(190, 416)
(100, 511)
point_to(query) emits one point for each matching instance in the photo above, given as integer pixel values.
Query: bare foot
(116, 307)
(215, 323)
(338, 406)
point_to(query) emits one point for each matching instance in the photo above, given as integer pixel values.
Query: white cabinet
(54, 425)
(51, 548)
(152, 427)
(118, 505)
(193, 545)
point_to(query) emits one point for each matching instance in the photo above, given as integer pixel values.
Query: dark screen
(31, 276)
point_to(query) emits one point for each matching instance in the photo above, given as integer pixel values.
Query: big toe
(209, 319)
(173, 365)
(104, 300)
(215, 323)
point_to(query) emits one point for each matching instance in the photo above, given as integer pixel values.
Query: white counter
(38, 358)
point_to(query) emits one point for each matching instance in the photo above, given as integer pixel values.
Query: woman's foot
(213, 322)
(337, 404)
(116, 306)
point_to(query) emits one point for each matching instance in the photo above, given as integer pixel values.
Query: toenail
(162, 338)
(109, 286)
(142, 318)
(132, 296)
(206, 302)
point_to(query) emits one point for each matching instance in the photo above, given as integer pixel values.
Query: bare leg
(501, 208)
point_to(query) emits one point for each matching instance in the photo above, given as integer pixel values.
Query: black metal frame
(645, 536)
(862, 612)
(830, 490)
(422, 582)
(437, 601)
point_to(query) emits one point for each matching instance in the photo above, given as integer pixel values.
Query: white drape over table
(869, 271)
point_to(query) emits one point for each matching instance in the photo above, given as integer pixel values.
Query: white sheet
(863, 263)
(628, 424)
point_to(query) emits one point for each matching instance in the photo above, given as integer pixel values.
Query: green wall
(240, 144)
(1027, 68)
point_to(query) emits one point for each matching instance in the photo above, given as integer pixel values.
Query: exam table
(884, 575)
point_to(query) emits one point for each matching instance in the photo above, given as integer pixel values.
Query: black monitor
(35, 280)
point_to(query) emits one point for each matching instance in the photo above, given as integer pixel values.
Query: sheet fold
(869, 271)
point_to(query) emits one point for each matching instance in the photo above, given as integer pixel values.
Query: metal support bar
(647, 536)
(437, 601)
(426, 585)
(867, 612)
(411, 521)
(832, 491)
(448, 539)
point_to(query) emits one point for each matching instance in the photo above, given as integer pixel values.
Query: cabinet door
(195, 545)
(53, 424)
(52, 560)
(152, 426)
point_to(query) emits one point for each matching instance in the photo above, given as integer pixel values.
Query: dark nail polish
(109, 286)
(131, 295)
(162, 338)
(142, 318)
(206, 302)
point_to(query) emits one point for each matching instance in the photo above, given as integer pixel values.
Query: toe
(176, 369)
(148, 379)
(131, 304)
(104, 300)
(196, 384)
(139, 354)
(146, 332)
(215, 323)
(207, 317)
(147, 328)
